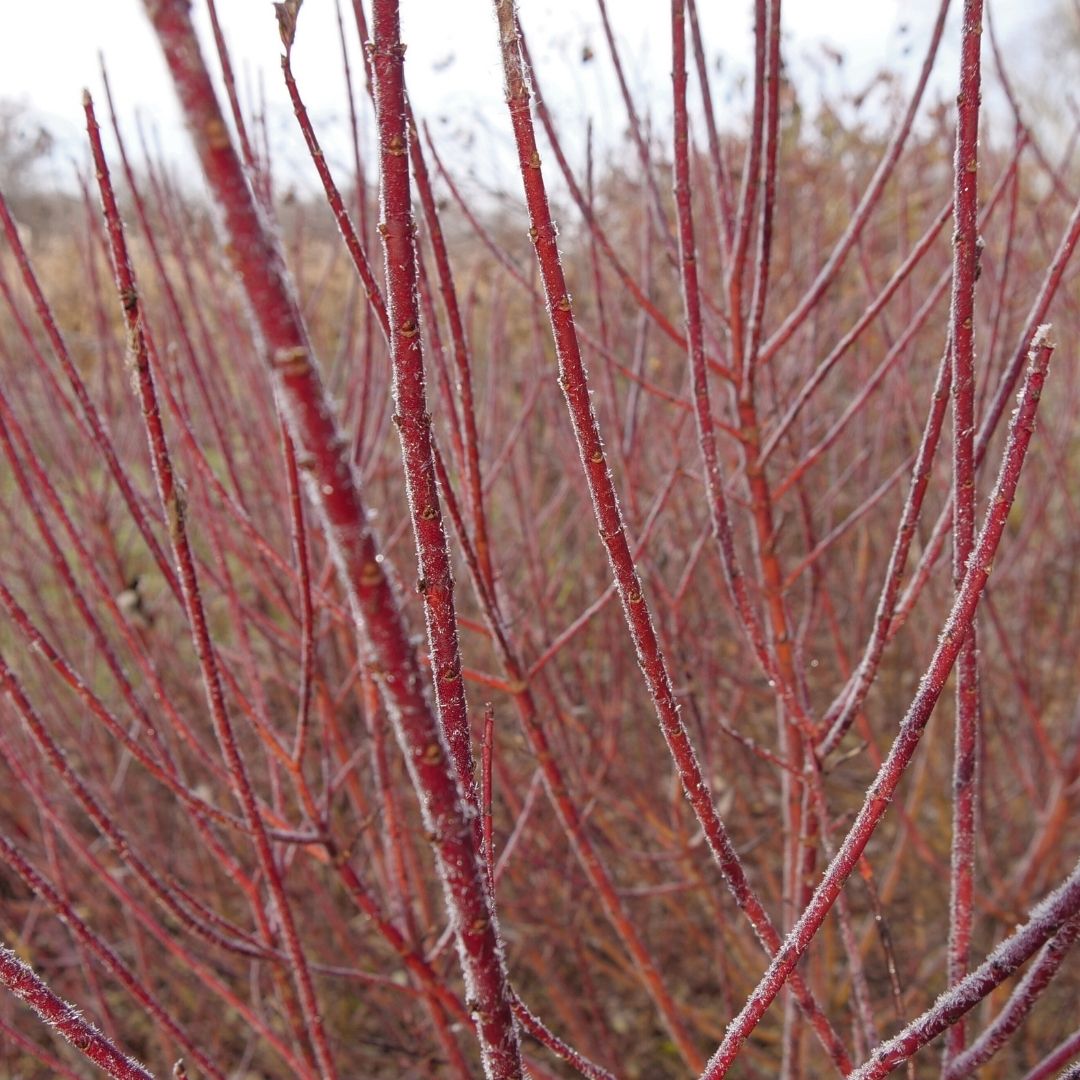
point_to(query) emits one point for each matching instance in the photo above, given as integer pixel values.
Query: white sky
(48, 53)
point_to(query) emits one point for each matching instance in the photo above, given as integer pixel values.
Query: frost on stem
(881, 791)
(21, 980)
(312, 425)
(1043, 922)
(338, 815)
(1043, 336)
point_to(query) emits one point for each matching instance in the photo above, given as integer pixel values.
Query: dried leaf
(286, 12)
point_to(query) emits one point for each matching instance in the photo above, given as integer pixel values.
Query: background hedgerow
(362, 716)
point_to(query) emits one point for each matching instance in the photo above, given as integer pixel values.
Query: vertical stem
(962, 332)
(486, 793)
(881, 791)
(20, 980)
(860, 216)
(412, 419)
(636, 610)
(462, 358)
(173, 503)
(323, 455)
(770, 156)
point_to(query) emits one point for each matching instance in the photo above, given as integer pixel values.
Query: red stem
(173, 503)
(322, 454)
(486, 792)
(1057, 1057)
(575, 387)
(914, 723)
(871, 196)
(412, 420)
(962, 337)
(104, 954)
(1021, 1001)
(57, 1013)
(1044, 922)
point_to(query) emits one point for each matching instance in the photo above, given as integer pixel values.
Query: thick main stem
(413, 421)
(20, 980)
(962, 334)
(323, 456)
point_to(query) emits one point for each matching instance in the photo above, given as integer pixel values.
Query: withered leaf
(287, 12)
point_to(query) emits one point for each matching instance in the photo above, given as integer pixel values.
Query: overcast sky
(49, 52)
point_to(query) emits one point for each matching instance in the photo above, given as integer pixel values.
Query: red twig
(543, 1035)
(841, 713)
(486, 793)
(914, 723)
(1057, 1057)
(962, 339)
(1022, 1000)
(173, 503)
(1044, 922)
(322, 454)
(412, 419)
(104, 954)
(20, 980)
(870, 198)
(609, 518)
